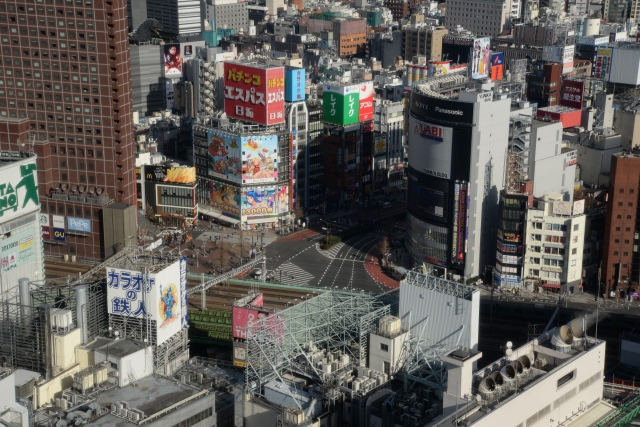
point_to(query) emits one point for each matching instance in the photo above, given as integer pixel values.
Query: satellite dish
(81, 189)
(100, 191)
(65, 186)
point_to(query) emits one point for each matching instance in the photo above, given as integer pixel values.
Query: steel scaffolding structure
(335, 320)
(23, 333)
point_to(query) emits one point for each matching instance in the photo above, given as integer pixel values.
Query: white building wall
(488, 146)
(482, 18)
(377, 356)
(547, 165)
(545, 395)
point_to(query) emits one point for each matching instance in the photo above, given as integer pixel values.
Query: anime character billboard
(259, 159)
(258, 201)
(224, 155)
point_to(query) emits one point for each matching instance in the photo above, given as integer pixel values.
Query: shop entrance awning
(551, 285)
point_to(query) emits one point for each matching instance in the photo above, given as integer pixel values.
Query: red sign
(366, 101)
(46, 233)
(367, 126)
(259, 301)
(241, 318)
(572, 94)
(254, 94)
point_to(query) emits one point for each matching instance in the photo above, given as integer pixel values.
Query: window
(621, 190)
(384, 347)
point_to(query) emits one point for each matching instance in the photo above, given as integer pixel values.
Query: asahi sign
(18, 189)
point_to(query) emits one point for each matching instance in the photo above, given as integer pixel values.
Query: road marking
(367, 237)
(290, 274)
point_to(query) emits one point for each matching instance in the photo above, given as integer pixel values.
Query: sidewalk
(375, 271)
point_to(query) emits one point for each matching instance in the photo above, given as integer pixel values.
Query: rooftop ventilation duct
(508, 373)
(487, 386)
(562, 339)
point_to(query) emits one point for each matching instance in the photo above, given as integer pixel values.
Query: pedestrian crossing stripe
(292, 275)
(331, 253)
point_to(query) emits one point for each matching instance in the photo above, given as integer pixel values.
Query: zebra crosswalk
(290, 274)
(331, 253)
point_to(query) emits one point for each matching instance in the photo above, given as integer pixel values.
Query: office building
(385, 47)
(22, 226)
(482, 18)
(399, 8)
(456, 166)
(620, 256)
(543, 86)
(554, 241)
(228, 14)
(424, 40)
(615, 11)
(147, 81)
(350, 36)
(315, 165)
(181, 19)
(298, 124)
(77, 101)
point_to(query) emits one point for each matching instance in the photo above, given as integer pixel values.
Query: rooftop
(557, 109)
(121, 348)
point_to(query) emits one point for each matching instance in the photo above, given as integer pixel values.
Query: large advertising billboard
(159, 296)
(429, 197)
(294, 85)
(572, 94)
(603, 62)
(178, 175)
(18, 189)
(254, 94)
(441, 109)
(497, 66)
(225, 197)
(172, 60)
(380, 145)
(430, 148)
(283, 199)
(259, 159)
(480, 52)
(258, 201)
(17, 250)
(242, 316)
(79, 224)
(366, 101)
(341, 104)
(224, 155)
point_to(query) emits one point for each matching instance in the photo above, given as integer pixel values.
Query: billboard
(480, 58)
(224, 153)
(172, 60)
(497, 66)
(168, 90)
(183, 292)
(429, 197)
(258, 201)
(438, 68)
(430, 148)
(17, 250)
(571, 158)
(45, 225)
(561, 54)
(188, 50)
(254, 94)
(18, 189)
(79, 224)
(242, 316)
(158, 296)
(239, 354)
(294, 85)
(283, 199)
(562, 208)
(380, 145)
(578, 207)
(572, 94)
(178, 175)
(341, 104)
(259, 159)
(366, 101)
(225, 197)
(603, 62)
(440, 109)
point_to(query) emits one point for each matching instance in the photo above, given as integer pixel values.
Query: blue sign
(497, 58)
(79, 224)
(58, 234)
(294, 85)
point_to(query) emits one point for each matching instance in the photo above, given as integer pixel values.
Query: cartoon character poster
(169, 305)
(224, 155)
(259, 159)
(283, 199)
(258, 201)
(225, 198)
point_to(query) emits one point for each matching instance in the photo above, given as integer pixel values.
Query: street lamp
(197, 251)
(326, 228)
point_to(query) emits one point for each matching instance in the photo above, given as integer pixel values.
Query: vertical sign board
(292, 144)
(366, 101)
(603, 62)
(294, 85)
(456, 213)
(58, 228)
(341, 104)
(462, 222)
(572, 94)
(480, 51)
(45, 225)
(183, 292)
(254, 94)
(157, 296)
(242, 316)
(497, 66)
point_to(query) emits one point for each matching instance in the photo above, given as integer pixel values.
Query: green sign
(18, 187)
(341, 109)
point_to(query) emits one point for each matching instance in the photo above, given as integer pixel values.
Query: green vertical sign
(351, 108)
(341, 109)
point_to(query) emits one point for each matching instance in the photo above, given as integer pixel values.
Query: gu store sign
(254, 94)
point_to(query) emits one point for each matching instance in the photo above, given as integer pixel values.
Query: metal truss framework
(22, 335)
(334, 320)
(440, 285)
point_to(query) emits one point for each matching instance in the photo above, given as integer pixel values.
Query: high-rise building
(315, 166)
(228, 14)
(67, 71)
(482, 18)
(615, 11)
(620, 256)
(424, 40)
(456, 160)
(176, 17)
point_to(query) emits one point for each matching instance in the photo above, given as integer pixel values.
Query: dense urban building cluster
(308, 213)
